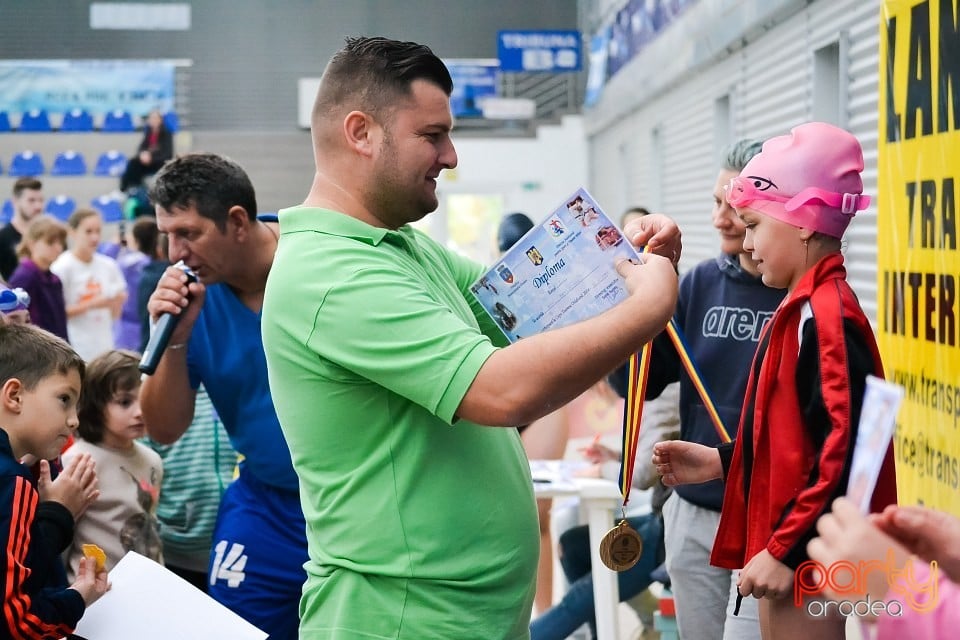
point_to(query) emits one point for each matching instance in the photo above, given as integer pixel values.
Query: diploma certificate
(561, 272)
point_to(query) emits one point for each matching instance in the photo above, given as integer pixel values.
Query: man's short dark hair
(376, 73)
(30, 354)
(209, 182)
(26, 184)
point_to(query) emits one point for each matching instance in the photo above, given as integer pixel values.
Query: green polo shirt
(419, 525)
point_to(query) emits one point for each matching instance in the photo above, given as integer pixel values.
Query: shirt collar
(334, 223)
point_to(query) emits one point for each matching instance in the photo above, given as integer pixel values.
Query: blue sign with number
(473, 80)
(543, 51)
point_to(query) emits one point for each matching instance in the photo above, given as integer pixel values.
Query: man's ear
(238, 222)
(361, 132)
(11, 395)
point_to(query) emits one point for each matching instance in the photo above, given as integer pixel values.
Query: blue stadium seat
(171, 121)
(77, 120)
(35, 120)
(60, 207)
(110, 208)
(69, 163)
(4, 122)
(118, 121)
(110, 163)
(6, 213)
(26, 163)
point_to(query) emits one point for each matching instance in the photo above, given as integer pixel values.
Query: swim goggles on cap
(13, 299)
(743, 190)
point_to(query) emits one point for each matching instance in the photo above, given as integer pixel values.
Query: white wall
(655, 134)
(532, 174)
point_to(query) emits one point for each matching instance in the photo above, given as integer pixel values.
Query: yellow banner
(918, 264)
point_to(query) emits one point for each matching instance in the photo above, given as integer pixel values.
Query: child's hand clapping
(75, 487)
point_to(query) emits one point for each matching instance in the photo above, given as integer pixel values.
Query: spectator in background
(631, 214)
(43, 242)
(27, 205)
(149, 278)
(93, 286)
(512, 227)
(141, 249)
(155, 148)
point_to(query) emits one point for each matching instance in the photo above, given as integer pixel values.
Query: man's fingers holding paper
(658, 233)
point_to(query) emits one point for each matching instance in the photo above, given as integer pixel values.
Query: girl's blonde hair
(78, 216)
(43, 227)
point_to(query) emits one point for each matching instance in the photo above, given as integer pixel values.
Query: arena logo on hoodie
(738, 323)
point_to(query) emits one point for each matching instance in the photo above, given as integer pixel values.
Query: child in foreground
(40, 378)
(803, 399)
(124, 518)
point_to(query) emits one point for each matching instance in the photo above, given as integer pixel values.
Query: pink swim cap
(810, 178)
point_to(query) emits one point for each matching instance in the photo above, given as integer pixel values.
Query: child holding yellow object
(124, 517)
(39, 385)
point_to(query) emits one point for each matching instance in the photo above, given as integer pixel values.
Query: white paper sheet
(878, 415)
(149, 602)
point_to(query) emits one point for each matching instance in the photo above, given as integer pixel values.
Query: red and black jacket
(799, 423)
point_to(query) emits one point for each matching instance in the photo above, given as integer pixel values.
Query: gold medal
(621, 547)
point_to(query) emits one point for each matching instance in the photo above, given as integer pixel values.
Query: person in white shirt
(93, 286)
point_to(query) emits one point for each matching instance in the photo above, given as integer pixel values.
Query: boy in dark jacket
(39, 386)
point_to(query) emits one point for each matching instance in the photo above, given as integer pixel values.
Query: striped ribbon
(676, 336)
(638, 371)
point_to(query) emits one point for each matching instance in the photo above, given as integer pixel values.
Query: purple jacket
(47, 307)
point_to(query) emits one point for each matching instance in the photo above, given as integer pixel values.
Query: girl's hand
(680, 462)
(765, 577)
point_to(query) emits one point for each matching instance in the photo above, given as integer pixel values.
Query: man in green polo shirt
(390, 381)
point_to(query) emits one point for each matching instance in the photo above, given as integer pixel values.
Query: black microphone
(161, 333)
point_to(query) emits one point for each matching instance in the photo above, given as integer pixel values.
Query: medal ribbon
(638, 371)
(683, 351)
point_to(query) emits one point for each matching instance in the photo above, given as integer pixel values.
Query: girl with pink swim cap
(802, 405)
